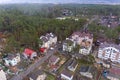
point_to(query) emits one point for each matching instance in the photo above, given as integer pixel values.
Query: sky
(58, 1)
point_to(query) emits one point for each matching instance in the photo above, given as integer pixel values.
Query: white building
(37, 75)
(48, 40)
(85, 40)
(66, 75)
(73, 65)
(87, 71)
(2, 75)
(68, 45)
(12, 59)
(109, 52)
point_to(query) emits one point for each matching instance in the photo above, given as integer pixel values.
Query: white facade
(48, 40)
(85, 40)
(71, 68)
(87, 74)
(112, 78)
(110, 53)
(2, 75)
(14, 61)
(66, 77)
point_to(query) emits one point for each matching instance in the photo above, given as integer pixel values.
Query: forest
(25, 23)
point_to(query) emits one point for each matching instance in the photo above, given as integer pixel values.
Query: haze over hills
(62, 1)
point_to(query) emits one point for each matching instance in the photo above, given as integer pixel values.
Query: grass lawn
(50, 77)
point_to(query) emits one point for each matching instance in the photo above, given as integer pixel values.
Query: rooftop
(67, 73)
(83, 34)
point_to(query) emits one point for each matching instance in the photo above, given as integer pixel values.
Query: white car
(51, 48)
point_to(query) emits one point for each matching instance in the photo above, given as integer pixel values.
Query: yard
(50, 77)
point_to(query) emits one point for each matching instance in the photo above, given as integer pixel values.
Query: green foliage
(103, 31)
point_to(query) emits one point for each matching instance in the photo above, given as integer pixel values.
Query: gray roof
(103, 45)
(53, 58)
(67, 73)
(86, 69)
(35, 74)
(44, 39)
(73, 63)
(47, 37)
(10, 56)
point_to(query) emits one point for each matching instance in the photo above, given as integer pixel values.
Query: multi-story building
(109, 52)
(48, 40)
(85, 40)
(68, 45)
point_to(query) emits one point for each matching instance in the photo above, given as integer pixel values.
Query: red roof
(28, 51)
(42, 49)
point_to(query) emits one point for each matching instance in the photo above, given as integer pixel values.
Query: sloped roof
(67, 73)
(28, 51)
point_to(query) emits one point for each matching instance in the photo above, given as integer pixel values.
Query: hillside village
(72, 59)
(60, 42)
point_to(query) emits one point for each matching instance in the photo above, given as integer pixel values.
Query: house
(37, 75)
(48, 40)
(87, 71)
(28, 53)
(66, 75)
(73, 65)
(2, 75)
(85, 40)
(43, 50)
(113, 73)
(68, 45)
(11, 59)
(109, 52)
(53, 60)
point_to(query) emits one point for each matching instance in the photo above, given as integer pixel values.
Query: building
(28, 53)
(66, 75)
(11, 59)
(53, 60)
(73, 65)
(109, 52)
(48, 40)
(43, 50)
(68, 45)
(37, 75)
(2, 75)
(113, 73)
(85, 40)
(87, 71)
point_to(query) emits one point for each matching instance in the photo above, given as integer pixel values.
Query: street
(33, 66)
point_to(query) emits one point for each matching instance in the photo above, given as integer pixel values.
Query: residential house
(73, 65)
(11, 59)
(68, 45)
(48, 40)
(109, 52)
(28, 53)
(87, 71)
(66, 75)
(43, 50)
(2, 75)
(53, 60)
(85, 40)
(113, 73)
(37, 75)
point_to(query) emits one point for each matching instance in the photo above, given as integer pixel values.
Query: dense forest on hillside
(25, 23)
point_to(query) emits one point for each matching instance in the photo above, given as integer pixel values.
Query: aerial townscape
(59, 40)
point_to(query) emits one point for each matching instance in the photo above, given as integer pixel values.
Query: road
(90, 21)
(33, 66)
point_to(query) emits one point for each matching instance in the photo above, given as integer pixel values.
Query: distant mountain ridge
(84, 1)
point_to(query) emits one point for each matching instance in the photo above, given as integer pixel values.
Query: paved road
(90, 21)
(33, 66)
